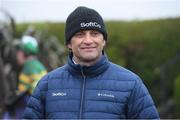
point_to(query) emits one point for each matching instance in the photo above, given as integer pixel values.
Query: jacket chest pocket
(104, 101)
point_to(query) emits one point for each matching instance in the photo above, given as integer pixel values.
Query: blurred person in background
(89, 86)
(32, 71)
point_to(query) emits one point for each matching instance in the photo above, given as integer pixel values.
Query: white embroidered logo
(90, 24)
(106, 95)
(59, 94)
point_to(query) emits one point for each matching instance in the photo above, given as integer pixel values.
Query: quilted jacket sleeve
(35, 107)
(141, 105)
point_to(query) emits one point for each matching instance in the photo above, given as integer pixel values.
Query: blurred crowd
(23, 61)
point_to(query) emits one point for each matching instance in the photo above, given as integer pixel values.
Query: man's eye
(95, 33)
(78, 34)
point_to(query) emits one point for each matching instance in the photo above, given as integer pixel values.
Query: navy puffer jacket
(102, 91)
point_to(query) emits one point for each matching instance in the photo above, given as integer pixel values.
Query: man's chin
(89, 58)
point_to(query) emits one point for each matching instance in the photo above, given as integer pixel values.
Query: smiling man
(89, 86)
(87, 47)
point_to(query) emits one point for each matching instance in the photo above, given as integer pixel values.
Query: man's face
(20, 57)
(87, 46)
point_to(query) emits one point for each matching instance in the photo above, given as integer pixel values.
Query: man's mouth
(88, 48)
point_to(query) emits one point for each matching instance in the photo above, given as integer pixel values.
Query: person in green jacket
(32, 71)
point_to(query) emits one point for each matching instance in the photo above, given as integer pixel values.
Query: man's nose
(88, 39)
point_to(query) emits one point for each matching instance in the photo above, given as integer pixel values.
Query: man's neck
(85, 63)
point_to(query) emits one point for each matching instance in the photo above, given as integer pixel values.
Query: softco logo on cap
(90, 24)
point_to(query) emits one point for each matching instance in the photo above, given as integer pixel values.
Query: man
(89, 86)
(32, 71)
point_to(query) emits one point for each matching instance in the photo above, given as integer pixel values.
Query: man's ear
(69, 46)
(104, 43)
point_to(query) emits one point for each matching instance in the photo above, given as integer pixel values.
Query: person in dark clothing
(89, 86)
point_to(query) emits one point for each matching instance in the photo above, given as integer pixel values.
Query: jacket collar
(93, 70)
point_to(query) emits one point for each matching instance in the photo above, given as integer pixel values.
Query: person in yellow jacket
(32, 71)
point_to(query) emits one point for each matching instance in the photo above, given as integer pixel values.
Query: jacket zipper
(82, 93)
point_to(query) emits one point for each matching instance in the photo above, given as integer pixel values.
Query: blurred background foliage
(151, 49)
